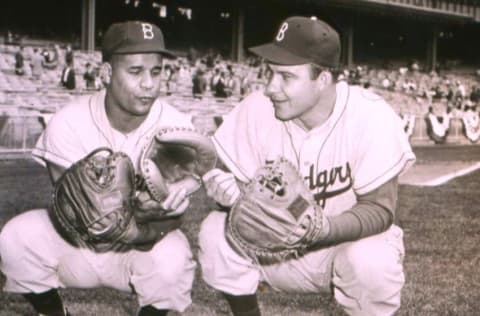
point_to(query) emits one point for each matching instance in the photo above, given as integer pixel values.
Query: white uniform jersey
(79, 128)
(361, 146)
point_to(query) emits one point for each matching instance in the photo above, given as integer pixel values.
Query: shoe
(65, 313)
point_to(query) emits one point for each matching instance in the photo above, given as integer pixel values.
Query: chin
(282, 117)
(140, 111)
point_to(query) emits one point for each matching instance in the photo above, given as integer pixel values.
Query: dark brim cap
(134, 37)
(278, 55)
(302, 40)
(143, 48)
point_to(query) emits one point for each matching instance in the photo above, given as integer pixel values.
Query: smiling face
(293, 92)
(134, 84)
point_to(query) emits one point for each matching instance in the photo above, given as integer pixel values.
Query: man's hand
(221, 186)
(176, 202)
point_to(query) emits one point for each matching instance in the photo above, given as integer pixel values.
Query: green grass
(442, 233)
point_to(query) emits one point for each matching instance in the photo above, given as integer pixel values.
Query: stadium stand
(27, 102)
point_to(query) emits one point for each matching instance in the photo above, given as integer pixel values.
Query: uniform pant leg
(368, 274)
(222, 268)
(34, 258)
(163, 277)
(30, 250)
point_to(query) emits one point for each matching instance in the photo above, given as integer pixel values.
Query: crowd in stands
(212, 77)
(424, 89)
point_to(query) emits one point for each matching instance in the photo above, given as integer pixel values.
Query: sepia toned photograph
(240, 157)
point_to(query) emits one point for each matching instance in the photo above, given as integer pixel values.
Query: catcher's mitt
(92, 202)
(276, 218)
(172, 155)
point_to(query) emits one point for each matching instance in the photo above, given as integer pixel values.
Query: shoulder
(369, 114)
(254, 115)
(254, 110)
(367, 105)
(258, 103)
(74, 112)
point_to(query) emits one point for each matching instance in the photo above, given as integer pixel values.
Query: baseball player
(35, 259)
(349, 146)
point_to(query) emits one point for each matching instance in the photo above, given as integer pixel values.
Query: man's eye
(156, 72)
(134, 71)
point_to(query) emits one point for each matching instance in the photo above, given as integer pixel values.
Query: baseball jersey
(79, 128)
(361, 145)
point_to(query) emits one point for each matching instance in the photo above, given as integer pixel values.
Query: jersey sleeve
(238, 138)
(57, 142)
(382, 149)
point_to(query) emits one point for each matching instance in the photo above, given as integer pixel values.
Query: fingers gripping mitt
(276, 218)
(173, 154)
(92, 201)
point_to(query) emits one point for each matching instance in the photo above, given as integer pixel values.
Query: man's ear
(106, 73)
(325, 78)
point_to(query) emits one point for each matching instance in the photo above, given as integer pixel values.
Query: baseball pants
(35, 259)
(367, 275)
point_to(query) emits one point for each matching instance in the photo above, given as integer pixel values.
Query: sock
(243, 305)
(47, 303)
(149, 310)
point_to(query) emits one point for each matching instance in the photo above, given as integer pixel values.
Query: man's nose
(272, 86)
(147, 81)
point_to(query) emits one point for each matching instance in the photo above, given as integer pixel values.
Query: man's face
(135, 82)
(293, 93)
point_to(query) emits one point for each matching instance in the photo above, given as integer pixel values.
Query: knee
(20, 232)
(371, 262)
(212, 231)
(170, 260)
(368, 275)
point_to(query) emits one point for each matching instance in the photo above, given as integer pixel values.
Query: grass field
(442, 234)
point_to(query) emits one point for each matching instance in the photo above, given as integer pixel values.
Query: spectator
(50, 55)
(215, 78)
(19, 62)
(210, 59)
(234, 84)
(36, 62)
(192, 56)
(69, 55)
(68, 77)
(90, 76)
(9, 37)
(199, 83)
(220, 86)
(414, 66)
(475, 95)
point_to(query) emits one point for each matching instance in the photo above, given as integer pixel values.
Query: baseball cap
(134, 37)
(301, 40)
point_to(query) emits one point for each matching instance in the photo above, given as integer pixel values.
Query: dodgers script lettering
(325, 179)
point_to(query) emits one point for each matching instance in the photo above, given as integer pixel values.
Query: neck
(121, 120)
(320, 113)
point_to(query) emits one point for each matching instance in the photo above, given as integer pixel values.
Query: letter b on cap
(147, 30)
(281, 32)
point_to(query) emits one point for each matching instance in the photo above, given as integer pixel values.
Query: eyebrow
(286, 72)
(281, 71)
(139, 67)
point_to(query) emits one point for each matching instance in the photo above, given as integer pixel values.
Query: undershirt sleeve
(371, 215)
